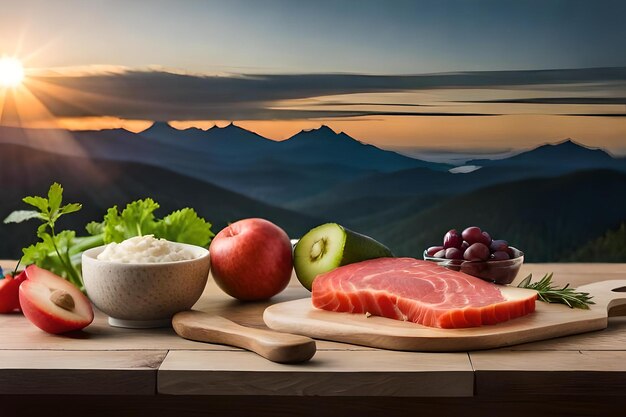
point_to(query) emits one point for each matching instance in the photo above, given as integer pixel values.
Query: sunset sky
(455, 75)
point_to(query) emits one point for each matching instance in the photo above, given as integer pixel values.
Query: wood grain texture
(611, 338)
(16, 332)
(100, 340)
(274, 346)
(505, 372)
(329, 373)
(79, 372)
(548, 321)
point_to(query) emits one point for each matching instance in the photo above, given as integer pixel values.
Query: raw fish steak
(419, 291)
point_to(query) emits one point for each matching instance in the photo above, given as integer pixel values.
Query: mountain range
(319, 175)
(545, 161)
(274, 172)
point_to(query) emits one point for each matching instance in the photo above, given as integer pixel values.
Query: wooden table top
(114, 361)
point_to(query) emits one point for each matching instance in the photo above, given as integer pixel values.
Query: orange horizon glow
(427, 132)
(19, 106)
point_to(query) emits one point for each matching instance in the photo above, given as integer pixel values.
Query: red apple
(251, 259)
(52, 303)
(9, 292)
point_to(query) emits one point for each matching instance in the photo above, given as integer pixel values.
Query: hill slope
(544, 161)
(610, 247)
(102, 184)
(548, 218)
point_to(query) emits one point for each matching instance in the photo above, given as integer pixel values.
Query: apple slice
(52, 303)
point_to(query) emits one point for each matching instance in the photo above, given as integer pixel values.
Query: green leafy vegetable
(45, 254)
(185, 226)
(95, 228)
(53, 251)
(551, 294)
(138, 219)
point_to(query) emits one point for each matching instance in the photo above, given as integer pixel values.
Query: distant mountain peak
(229, 127)
(567, 155)
(570, 143)
(233, 127)
(322, 130)
(326, 129)
(159, 126)
(324, 134)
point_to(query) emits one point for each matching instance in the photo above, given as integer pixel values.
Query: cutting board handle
(610, 295)
(272, 345)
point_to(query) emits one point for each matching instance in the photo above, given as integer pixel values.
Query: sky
(408, 74)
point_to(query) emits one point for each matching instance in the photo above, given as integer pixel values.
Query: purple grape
(433, 250)
(440, 254)
(477, 252)
(499, 245)
(473, 235)
(464, 245)
(452, 239)
(454, 253)
(486, 238)
(500, 256)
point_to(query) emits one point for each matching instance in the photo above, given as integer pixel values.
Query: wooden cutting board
(547, 322)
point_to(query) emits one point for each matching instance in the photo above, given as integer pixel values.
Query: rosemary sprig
(551, 294)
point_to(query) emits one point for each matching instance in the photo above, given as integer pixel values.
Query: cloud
(161, 95)
(596, 114)
(556, 100)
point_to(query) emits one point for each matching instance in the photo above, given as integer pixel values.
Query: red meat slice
(419, 291)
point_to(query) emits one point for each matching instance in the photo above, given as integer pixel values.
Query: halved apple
(52, 303)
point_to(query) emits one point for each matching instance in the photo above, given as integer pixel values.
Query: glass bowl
(499, 272)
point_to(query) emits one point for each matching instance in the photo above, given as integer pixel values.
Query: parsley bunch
(53, 250)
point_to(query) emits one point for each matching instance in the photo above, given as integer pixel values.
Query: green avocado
(329, 246)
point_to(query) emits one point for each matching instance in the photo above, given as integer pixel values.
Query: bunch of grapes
(471, 245)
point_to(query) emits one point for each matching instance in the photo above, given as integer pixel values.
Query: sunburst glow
(11, 72)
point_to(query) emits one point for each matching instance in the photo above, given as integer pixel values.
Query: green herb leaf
(44, 253)
(19, 216)
(549, 293)
(525, 281)
(95, 228)
(70, 208)
(55, 197)
(186, 227)
(33, 254)
(39, 202)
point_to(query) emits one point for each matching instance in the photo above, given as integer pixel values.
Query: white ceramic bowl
(148, 294)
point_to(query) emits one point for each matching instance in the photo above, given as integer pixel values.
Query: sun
(11, 72)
